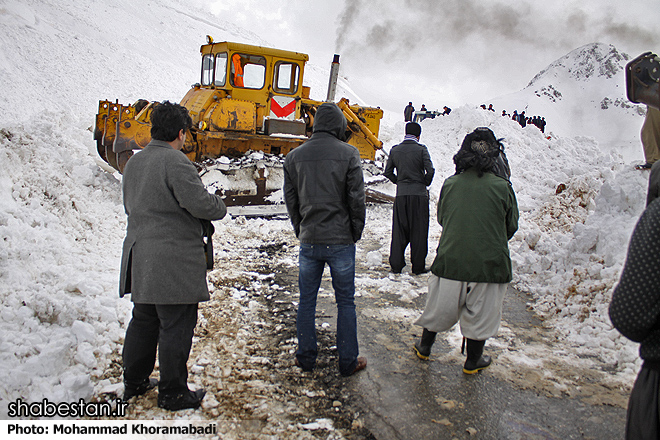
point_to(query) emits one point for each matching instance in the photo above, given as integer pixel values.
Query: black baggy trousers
(643, 410)
(169, 328)
(410, 225)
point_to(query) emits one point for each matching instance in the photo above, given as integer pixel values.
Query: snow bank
(61, 225)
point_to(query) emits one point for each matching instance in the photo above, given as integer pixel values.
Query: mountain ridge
(583, 94)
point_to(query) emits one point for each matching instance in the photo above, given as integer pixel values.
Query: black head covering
(480, 150)
(413, 128)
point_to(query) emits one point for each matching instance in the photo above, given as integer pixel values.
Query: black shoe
(472, 367)
(646, 166)
(297, 362)
(423, 347)
(186, 400)
(146, 385)
(423, 271)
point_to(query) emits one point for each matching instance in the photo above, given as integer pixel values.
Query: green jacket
(478, 216)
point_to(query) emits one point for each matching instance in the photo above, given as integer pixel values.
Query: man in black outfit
(410, 219)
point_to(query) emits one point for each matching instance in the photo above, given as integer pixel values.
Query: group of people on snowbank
(410, 115)
(523, 120)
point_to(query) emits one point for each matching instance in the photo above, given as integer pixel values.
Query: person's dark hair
(480, 150)
(167, 120)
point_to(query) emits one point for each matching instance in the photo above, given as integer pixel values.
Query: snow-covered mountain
(583, 94)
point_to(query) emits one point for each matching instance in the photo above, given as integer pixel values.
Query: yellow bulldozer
(249, 99)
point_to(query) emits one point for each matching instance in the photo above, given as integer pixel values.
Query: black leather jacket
(324, 184)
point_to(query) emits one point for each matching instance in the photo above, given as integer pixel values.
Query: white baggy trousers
(478, 307)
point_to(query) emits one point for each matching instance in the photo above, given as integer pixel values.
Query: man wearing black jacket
(410, 219)
(324, 195)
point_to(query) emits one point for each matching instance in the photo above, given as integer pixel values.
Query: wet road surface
(402, 397)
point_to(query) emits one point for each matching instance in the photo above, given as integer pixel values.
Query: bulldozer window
(221, 69)
(207, 69)
(248, 71)
(214, 69)
(286, 77)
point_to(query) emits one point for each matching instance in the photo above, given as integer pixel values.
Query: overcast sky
(445, 52)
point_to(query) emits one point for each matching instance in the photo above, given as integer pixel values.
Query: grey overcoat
(163, 256)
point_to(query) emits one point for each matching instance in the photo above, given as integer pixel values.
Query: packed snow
(62, 221)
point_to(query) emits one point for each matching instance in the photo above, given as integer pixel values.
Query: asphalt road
(402, 397)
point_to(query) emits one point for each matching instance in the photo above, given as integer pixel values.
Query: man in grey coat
(324, 195)
(410, 217)
(163, 264)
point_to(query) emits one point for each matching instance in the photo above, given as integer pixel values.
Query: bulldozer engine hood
(330, 119)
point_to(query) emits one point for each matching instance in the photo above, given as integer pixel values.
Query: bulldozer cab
(271, 79)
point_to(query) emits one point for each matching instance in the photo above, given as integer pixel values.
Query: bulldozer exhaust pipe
(334, 73)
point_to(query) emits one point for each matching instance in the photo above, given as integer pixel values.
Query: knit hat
(413, 128)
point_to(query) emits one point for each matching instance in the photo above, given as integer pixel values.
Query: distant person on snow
(634, 312)
(650, 138)
(478, 213)
(446, 111)
(163, 266)
(409, 166)
(408, 112)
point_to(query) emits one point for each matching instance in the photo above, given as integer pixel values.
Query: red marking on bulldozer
(282, 112)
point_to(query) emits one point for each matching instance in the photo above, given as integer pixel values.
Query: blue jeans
(312, 261)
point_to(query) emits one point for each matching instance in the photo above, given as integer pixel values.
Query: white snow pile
(62, 221)
(61, 229)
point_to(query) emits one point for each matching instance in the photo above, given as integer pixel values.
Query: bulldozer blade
(232, 198)
(374, 196)
(259, 211)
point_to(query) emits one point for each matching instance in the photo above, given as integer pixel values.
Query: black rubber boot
(139, 389)
(186, 400)
(423, 347)
(475, 360)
